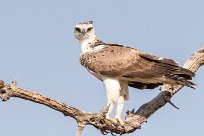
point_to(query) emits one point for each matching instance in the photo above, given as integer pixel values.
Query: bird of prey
(120, 66)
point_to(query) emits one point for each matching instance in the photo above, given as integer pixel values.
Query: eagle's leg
(124, 96)
(121, 101)
(113, 91)
(117, 91)
(109, 105)
(109, 108)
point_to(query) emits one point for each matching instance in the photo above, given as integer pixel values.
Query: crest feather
(86, 22)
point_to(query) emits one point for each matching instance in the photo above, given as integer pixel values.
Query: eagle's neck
(89, 45)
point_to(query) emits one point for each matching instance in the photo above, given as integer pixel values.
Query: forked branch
(133, 120)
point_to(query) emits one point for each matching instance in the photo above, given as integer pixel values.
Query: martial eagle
(120, 66)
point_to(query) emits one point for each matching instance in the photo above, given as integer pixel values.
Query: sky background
(38, 48)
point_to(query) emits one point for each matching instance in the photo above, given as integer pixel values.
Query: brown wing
(119, 61)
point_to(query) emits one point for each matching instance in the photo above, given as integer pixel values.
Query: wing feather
(125, 62)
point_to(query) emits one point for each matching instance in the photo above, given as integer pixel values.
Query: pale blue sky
(38, 48)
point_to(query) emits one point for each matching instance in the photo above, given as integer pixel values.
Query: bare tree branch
(133, 120)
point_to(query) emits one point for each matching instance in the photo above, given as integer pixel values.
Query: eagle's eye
(77, 29)
(89, 29)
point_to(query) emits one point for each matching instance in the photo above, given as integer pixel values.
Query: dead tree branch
(133, 120)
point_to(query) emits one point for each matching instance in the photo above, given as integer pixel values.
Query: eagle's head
(84, 31)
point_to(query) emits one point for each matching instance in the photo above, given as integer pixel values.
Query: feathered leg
(121, 101)
(119, 109)
(113, 93)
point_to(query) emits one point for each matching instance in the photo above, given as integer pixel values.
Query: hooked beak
(83, 31)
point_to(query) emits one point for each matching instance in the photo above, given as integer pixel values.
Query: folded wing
(136, 67)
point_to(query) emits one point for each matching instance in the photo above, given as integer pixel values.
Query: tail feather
(185, 73)
(188, 84)
(183, 81)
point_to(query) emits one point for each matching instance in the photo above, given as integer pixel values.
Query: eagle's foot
(116, 121)
(104, 111)
(122, 123)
